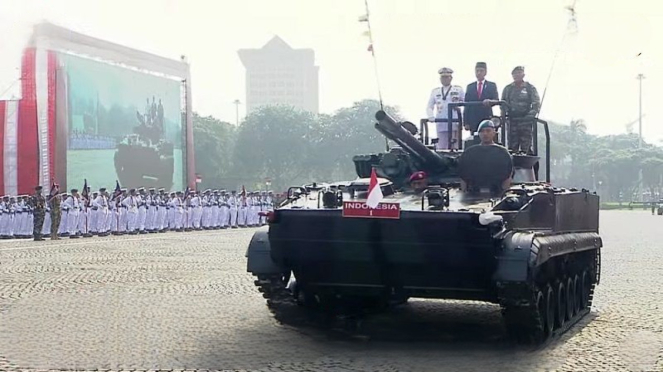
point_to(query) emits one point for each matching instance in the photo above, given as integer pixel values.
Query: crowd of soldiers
(134, 211)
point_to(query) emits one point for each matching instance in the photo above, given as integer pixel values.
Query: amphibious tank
(526, 245)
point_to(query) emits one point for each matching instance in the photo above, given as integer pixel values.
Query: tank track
(526, 319)
(274, 289)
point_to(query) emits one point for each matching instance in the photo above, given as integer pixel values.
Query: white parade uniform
(64, 219)
(131, 205)
(437, 108)
(142, 212)
(232, 203)
(73, 214)
(46, 228)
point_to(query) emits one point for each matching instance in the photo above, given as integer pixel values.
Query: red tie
(480, 89)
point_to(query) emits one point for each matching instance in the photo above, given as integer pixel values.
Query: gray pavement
(183, 301)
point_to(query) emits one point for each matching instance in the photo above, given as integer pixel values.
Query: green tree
(349, 132)
(213, 150)
(276, 142)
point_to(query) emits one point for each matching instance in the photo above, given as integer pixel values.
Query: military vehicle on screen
(532, 248)
(144, 160)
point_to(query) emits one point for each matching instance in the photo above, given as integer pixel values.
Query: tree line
(291, 147)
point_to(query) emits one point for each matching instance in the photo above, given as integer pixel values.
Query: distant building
(279, 74)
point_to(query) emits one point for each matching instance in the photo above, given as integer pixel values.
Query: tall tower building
(279, 74)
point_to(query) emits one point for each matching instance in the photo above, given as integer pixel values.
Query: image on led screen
(124, 125)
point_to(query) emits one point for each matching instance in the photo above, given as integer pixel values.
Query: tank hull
(446, 255)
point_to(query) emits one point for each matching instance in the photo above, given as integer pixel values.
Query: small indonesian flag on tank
(374, 191)
(373, 207)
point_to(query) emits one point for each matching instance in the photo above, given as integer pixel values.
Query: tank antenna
(371, 48)
(571, 27)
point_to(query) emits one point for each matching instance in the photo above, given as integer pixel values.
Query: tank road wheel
(550, 310)
(577, 300)
(539, 333)
(570, 298)
(586, 288)
(560, 311)
(525, 324)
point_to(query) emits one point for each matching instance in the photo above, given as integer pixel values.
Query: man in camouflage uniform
(39, 212)
(524, 104)
(56, 213)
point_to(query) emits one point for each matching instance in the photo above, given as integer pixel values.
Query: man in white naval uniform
(224, 210)
(46, 229)
(437, 108)
(4, 217)
(171, 211)
(233, 202)
(180, 212)
(213, 219)
(20, 214)
(100, 210)
(241, 209)
(162, 211)
(74, 209)
(93, 217)
(112, 222)
(152, 211)
(131, 204)
(64, 216)
(197, 210)
(141, 200)
(122, 213)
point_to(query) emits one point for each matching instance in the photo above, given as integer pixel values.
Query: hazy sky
(594, 77)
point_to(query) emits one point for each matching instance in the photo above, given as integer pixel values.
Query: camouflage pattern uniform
(55, 215)
(38, 205)
(524, 104)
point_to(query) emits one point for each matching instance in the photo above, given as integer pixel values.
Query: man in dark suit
(481, 90)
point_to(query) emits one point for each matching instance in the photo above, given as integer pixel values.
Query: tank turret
(412, 154)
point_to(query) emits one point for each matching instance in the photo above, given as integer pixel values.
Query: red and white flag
(374, 191)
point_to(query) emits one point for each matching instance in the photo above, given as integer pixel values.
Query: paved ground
(184, 301)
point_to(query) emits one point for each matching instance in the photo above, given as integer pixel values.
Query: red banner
(361, 210)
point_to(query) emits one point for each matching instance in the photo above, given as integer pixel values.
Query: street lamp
(237, 103)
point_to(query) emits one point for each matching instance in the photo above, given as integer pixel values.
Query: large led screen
(123, 125)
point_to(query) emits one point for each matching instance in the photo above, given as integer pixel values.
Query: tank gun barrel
(393, 130)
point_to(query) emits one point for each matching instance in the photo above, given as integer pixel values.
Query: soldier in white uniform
(64, 216)
(113, 215)
(93, 215)
(162, 211)
(208, 204)
(130, 203)
(13, 209)
(46, 228)
(100, 212)
(180, 213)
(152, 210)
(233, 203)
(171, 211)
(74, 209)
(213, 219)
(197, 213)
(224, 210)
(19, 218)
(437, 108)
(142, 210)
(4, 215)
